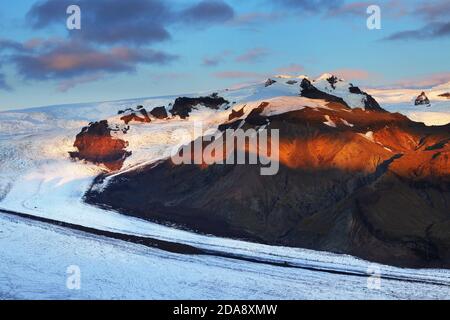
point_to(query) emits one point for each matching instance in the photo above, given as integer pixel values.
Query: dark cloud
(3, 84)
(6, 44)
(108, 21)
(137, 22)
(207, 12)
(430, 31)
(255, 18)
(67, 59)
(311, 6)
(214, 61)
(434, 10)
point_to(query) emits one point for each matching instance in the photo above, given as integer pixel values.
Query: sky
(144, 48)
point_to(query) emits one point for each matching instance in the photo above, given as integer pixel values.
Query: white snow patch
(329, 122)
(368, 135)
(347, 123)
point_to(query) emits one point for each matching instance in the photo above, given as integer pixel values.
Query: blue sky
(141, 48)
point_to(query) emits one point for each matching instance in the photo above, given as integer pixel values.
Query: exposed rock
(139, 115)
(183, 106)
(369, 103)
(236, 114)
(332, 81)
(309, 91)
(291, 82)
(269, 82)
(422, 99)
(445, 95)
(96, 144)
(159, 113)
(255, 118)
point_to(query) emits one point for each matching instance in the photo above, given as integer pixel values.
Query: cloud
(108, 21)
(253, 18)
(252, 55)
(434, 10)
(67, 84)
(352, 74)
(6, 45)
(214, 61)
(293, 68)
(3, 84)
(391, 8)
(207, 12)
(310, 6)
(428, 81)
(170, 76)
(67, 59)
(135, 22)
(238, 75)
(354, 9)
(430, 31)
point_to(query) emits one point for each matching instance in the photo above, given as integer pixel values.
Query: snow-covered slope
(112, 269)
(402, 100)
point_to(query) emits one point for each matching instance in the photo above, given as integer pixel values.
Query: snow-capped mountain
(49, 160)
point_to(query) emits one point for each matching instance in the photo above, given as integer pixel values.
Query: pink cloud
(238, 75)
(352, 74)
(66, 85)
(252, 55)
(424, 82)
(290, 69)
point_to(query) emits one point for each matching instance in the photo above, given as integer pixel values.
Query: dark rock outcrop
(183, 106)
(269, 82)
(332, 81)
(422, 99)
(291, 82)
(369, 103)
(255, 117)
(159, 113)
(236, 114)
(138, 115)
(445, 95)
(310, 91)
(96, 144)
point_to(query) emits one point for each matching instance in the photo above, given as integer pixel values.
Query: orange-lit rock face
(95, 144)
(133, 117)
(361, 141)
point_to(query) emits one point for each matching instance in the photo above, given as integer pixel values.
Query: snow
(341, 89)
(348, 124)
(285, 104)
(368, 135)
(329, 122)
(402, 100)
